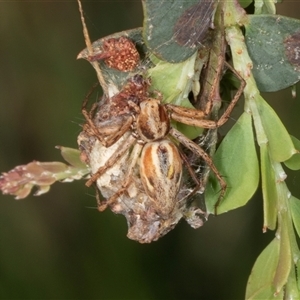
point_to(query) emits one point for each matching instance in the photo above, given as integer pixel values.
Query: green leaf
(281, 146)
(285, 257)
(298, 273)
(174, 30)
(174, 81)
(273, 45)
(245, 3)
(260, 282)
(291, 289)
(72, 156)
(294, 162)
(237, 162)
(265, 7)
(269, 189)
(295, 210)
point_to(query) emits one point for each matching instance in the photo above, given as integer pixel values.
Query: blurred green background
(58, 246)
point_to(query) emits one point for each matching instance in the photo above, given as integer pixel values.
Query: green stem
(289, 252)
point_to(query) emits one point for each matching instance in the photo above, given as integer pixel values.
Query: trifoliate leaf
(273, 43)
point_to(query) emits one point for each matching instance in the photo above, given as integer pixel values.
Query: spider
(144, 223)
(154, 143)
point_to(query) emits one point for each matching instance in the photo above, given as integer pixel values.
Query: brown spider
(145, 223)
(151, 136)
(133, 152)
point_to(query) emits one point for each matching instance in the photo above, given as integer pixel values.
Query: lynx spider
(151, 134)
(151, 142)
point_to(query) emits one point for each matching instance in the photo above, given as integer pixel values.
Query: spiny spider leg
(214, 94)
(116, 132)
(98, 199)
(124, 147)
(225, 116)
(128, 176)
(199, 151)
(194, 117)
(194, 177)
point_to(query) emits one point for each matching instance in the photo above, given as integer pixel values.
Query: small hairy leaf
(291, 290)
(260, 282)
(71, 156)
(237, 162)
(173, 81)
(294, 162)
(273, 43)
(295, 209)
(174, 30)
(285, 257)
(281, 146)
(245, 3)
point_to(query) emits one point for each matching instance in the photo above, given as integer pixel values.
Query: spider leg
(210, 91)
(98, 56)
(195, 117)
(225, 116)
(199, 151)
(88, 95)
(193, 175)
(100, 204)
(89, 115)
(112, 160)
(119, 132)
(97, 129)
(128, 176)
(113, 130)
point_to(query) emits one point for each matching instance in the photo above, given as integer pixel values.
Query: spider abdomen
(161, 172)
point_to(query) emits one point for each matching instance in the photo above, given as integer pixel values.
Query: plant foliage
(263, 47)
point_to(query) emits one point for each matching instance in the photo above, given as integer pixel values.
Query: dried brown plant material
(120, 54)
